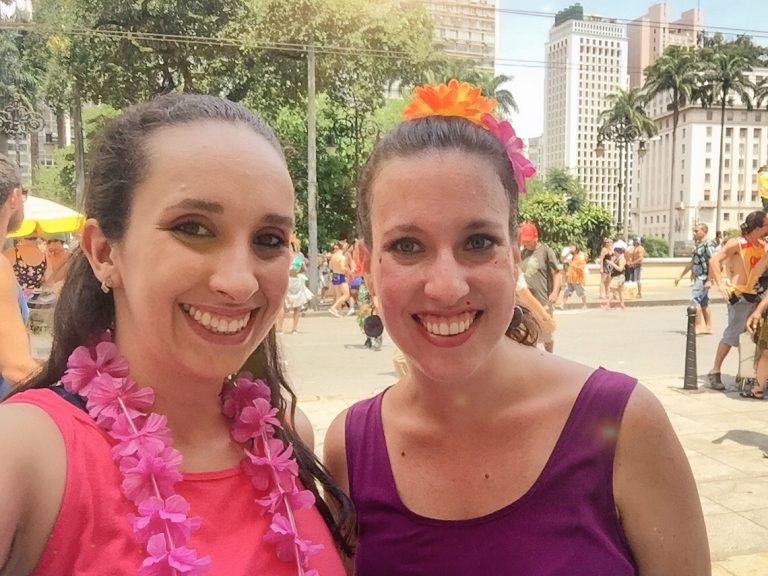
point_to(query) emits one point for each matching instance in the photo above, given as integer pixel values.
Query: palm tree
(676, 72)
(725, 76)
(623, 122)
(490, 86)
(465, 70)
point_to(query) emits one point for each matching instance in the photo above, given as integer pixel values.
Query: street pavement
(724, 436)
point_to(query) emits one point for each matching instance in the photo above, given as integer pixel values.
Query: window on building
(709, 147)
(706, 195)
(708, 163)
(709, 130)
(729, 132)
(726, 216)
(726, 195)
(709, 117)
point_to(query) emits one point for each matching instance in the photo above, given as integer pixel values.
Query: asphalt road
(327, 357)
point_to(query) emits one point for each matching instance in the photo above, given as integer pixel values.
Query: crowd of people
(141, 436)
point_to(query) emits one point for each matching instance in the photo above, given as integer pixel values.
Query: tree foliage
(551, 205)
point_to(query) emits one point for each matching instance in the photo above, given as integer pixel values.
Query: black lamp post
(355, 127)
(623, 134)
(16, 121)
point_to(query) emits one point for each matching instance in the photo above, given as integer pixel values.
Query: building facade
(697, 157)
(653, 32)
(466, 29)
(586, 60)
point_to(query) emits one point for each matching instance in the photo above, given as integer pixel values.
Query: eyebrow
(216, 208)
(473, 225)
(198, 204)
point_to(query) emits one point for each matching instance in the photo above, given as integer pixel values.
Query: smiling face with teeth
(201, 271)
(442, 264)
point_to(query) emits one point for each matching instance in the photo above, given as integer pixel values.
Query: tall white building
(586, 61)
(694, 196)
(466, 28)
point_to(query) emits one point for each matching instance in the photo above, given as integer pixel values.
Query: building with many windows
(694, 196)
(653, 33)
(586, 60)
(466, 28)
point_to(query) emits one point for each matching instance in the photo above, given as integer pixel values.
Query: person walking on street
(638, 255)
(575, 276)
(542, 272)
(616, 265)
(606, 253)
(340, 280)
(16, 362)
(698, 267)
(744, 259)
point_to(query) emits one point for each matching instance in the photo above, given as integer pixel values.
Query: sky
(520, 43)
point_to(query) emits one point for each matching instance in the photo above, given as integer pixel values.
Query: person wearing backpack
(699, 269)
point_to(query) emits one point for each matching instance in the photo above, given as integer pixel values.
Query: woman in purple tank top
(490, 456)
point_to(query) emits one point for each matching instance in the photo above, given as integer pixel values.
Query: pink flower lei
(150, 465)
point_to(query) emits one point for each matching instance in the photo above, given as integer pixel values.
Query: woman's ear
(100, 253)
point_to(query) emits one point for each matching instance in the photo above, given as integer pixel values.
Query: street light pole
(312, 172)
(16, 121)
(623, 135)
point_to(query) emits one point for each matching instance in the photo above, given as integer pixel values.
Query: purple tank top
(566, 524)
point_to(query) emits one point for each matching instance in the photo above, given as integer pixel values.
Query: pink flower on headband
(514, 146)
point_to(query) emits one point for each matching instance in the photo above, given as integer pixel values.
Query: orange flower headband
(462, 100)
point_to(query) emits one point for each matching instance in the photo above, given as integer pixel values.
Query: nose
(234, 274)
(446, 279)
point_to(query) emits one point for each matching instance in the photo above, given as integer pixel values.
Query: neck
(464, 401)
(190, 403)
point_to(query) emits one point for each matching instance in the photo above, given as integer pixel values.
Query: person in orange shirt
(575, 276)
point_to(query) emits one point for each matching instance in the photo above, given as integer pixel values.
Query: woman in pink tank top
(136, 451)
(491, 456)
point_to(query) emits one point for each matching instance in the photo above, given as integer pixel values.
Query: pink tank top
(92, 535)
(566, 524)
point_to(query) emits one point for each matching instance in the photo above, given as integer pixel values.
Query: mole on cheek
(379, 259)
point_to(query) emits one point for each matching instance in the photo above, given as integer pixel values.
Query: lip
(222, 339)
(448, 341)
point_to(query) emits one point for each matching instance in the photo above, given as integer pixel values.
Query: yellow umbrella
(43, 216)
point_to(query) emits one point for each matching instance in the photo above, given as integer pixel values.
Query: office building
(466, 29)
(694, 196)
(586, 60)
(653, 33)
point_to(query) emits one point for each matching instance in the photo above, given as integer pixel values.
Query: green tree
(624, 121)
(676, 74)
(558, 226)
(724, 77)
(561, 181)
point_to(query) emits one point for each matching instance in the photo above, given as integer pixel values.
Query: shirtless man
(339, 271)
(745, 259)
(16, 361)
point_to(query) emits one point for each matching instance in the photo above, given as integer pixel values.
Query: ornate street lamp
(17, 121)
(623, 135)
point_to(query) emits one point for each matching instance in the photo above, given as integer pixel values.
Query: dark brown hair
(10, 177)
(421, 136)
(118, 163)
(753, 221)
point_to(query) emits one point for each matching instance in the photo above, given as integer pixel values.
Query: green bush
(655, 247)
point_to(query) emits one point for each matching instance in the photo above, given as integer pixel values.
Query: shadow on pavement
(745, 438)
